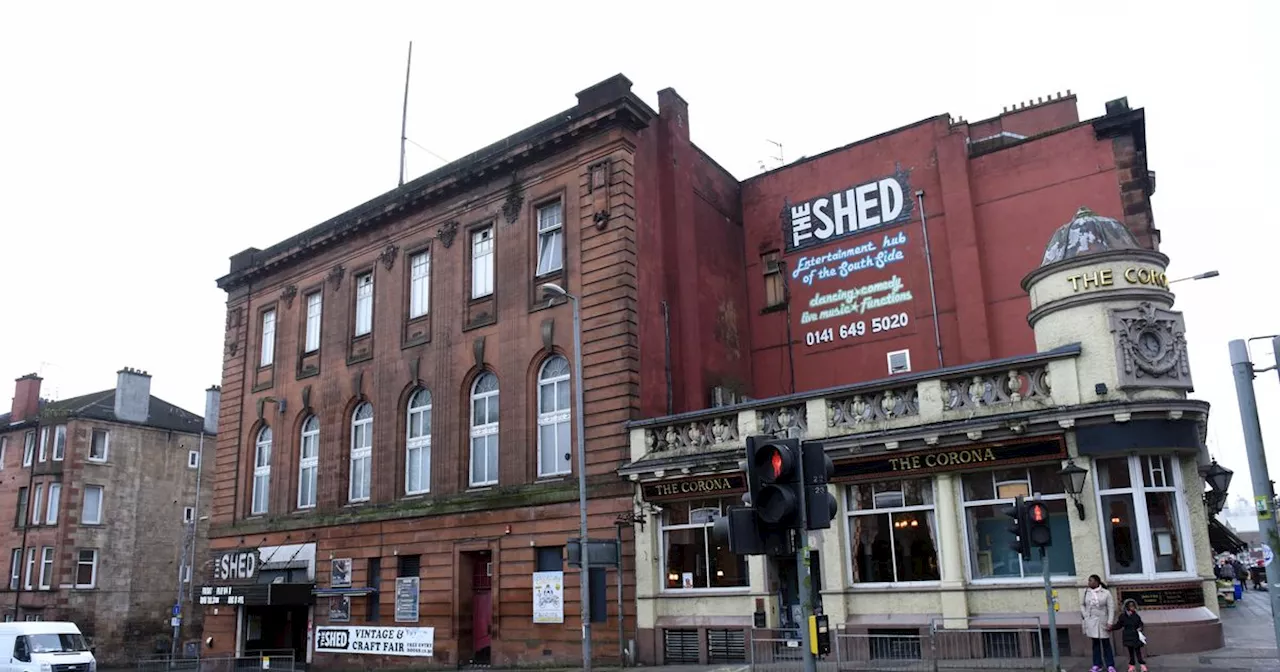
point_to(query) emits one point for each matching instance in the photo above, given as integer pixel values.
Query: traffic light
(1038, 532)
(818, 469)
(774, 479)
(1018, 528)
(738, 529)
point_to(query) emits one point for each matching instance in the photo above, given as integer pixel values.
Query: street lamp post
(552, 290)
(1199, 276)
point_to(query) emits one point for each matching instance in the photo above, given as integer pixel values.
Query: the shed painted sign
(830, 217)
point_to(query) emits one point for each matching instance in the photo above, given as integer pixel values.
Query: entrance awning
(1223, 540)
(339, 592)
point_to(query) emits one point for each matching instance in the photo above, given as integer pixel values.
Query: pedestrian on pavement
(1241, 574)
(1097, 612)
(1130, 625)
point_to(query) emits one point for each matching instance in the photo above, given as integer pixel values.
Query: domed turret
(1088, 233)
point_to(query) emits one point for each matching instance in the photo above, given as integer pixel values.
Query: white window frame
(15, 568)
(46, 568)
(888, 358)
(188, 514)
(59, 443)
(260, 500)
(550, 238)
(4, 450)
(364, 304)
(850, 513)
(315, 309)
(185, 573)
(44, 444)
(420, 284)
(28, 448)
(708, 539)
(309, 461)
(970, 573)
(554, 417)
(361, 454)
(193, 459)
(51, 509)
(106, 445)
(31, 569)
(36, 502)
(418, 441)
(484, 432)
(1136, 488)
(482, 253)
(267, 348)
(93, 577)
(84, 508)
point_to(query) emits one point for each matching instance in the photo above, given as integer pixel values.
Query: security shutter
(680, 647)
(726, 646)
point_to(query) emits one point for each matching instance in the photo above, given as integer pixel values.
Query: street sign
(1267, 555)
(175, 622)
(177, 610)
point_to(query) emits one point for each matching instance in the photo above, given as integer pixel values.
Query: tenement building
(397, 443)
(106, 495)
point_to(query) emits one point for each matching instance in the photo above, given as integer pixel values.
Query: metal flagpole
(804, 583)
(1053, 616)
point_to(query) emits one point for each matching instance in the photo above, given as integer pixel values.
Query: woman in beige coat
(1097, 615)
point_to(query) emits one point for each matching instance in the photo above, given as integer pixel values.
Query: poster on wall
(340, 609)
(388, 641)
(407, 599)
(340, 572)
(548, 597)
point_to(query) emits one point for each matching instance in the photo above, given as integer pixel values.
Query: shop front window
(692, 558)
(986, 494)
(1140, 506)
(893, 535)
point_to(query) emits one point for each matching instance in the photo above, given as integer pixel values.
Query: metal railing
(1017, 648)
(263, 660)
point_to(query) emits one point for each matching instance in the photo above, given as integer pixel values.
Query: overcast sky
(143, 144)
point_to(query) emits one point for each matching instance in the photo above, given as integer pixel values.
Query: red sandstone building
(395, 429)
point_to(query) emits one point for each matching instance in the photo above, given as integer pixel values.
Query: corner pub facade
(367, 475)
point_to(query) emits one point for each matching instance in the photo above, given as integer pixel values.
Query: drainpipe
(666, 335)
(26, 515)
(928, 260)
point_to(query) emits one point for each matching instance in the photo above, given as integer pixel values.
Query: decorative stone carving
(511, 208)
(232, 347)
(860, 410)
(1151, 347)
(447, 232)
(1000, 388)
(335, 276)
(233, 317)
(388, 256)
(288, 294)
(788, 422)
(708, 433)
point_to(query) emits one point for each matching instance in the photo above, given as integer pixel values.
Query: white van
(44, 646)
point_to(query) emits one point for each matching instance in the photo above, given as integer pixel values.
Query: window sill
(704, 592)
(775, 308)
(887, 587)
(85, 587)
(1131, 579)
(554, 478)
(483, 487)
(355, 504)
(90, 460)
(415, 496)
(1025, 582)
(84, 524)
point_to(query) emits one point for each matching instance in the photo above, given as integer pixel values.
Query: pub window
(986, 494)
(691, 555)
(893, 534)
(774, 287)
(1139, 500)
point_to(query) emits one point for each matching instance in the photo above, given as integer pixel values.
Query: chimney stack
(26, 398)
(212, 399)
(133, 395)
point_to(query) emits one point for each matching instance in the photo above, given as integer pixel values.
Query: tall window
(261, 471)
(51, 511)
(1140, 500)
(98, 446)
(44, 444)
(484, 430)
(364, 304)
(482, 262)
(892, 533)
(15, 568)
(774, 287)
(417, 463)
(691, 555)
(91, 511)
(37, 501)
(31, 568)
(553, 417)
(314, 305)
(28, 448)
(23, 502)
(46, 568)
(4, 450)
(308, 462)
(268, 347)
(361, 453)
(550, 238)
(59, 442)
(987, 529)
(86, 568)
(419, 284)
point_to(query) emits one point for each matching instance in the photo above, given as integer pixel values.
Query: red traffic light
(1037, 513)
(774, 463)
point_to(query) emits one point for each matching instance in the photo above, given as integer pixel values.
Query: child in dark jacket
(1131, 625)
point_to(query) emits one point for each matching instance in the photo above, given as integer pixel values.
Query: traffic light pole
(1053, 612)
(804, 583)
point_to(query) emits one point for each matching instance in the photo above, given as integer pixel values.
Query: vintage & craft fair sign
(548, 597)
(419, 642)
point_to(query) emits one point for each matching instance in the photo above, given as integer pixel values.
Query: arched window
(417, 459)
(261, 471)
(484, 430)
(361, 453)
(308, 462)
(553, 417)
